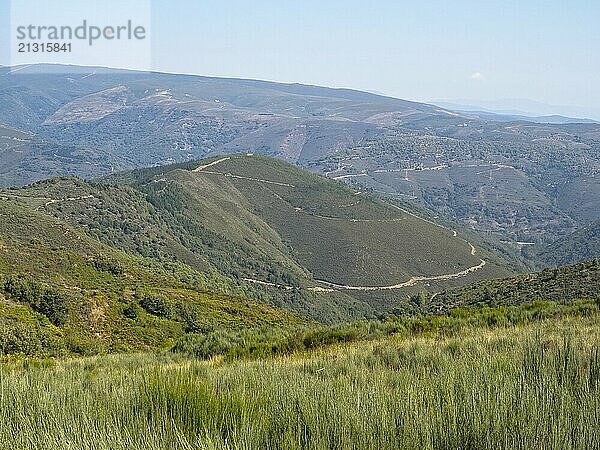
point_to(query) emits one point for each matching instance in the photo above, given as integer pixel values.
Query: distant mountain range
(138, 207)
(514, 181)
(525, 110)
(553, 119)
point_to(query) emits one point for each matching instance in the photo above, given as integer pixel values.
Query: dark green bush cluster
(105, 264)
(265, 342)
(165, 308)
(42, 299)
(158, 305)
(193, 320)
(23, 289)
(16, 337)
(132, 311)
(206, 346)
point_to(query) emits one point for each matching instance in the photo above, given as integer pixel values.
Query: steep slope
(580, 245)
(342, 236)
(152, 118)
(312, 244)
(27, 157)
(562, 285)
(518, 181)
(64, 292)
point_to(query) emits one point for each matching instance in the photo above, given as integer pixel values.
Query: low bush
(105, 264)
(132, 311)
(44, 300)
(269, 342)
(158, 305)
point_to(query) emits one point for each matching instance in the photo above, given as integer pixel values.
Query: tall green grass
(532, 386)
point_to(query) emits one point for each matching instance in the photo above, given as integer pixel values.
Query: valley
(250, 262)
(509, 181)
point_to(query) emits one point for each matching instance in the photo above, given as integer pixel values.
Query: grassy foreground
(528, 386)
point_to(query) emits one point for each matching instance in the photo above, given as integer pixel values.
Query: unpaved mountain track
(68, 199)
(267, 283)
(239, 177)
(333, 286)
(214, 163)
(409, 283)
(202, 169)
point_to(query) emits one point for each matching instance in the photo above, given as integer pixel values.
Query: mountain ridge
(512, 181)
(270, 226)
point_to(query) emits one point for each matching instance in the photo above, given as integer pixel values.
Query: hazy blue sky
(547, 50)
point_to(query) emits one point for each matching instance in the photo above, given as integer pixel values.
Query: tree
(54, 307)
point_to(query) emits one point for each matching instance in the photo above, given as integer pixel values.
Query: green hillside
(562, 285)
(248, 226)
(313, 245)
(512, 182)
(342, 236)
(63, 292)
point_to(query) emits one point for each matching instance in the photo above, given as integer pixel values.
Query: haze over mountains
(142, 258)
(143, 209)
(525, 109)
(517, 182)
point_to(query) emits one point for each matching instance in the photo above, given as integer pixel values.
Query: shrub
(106, 264)
(157, 305)
(54, 307)
(193, 320)
(206, 346)
(23, 289)
(43, 300)
(83, 345)
(132, 311)
(419, 299)
(18, 338)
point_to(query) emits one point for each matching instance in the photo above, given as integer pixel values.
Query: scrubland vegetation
(530, 379)
(192, 303)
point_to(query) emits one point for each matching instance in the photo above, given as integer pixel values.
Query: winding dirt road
(214, 163)
(409, 283)
(332, 286)
(203, 168)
